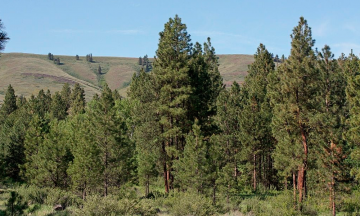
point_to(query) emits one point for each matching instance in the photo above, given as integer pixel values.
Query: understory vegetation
(285, 142)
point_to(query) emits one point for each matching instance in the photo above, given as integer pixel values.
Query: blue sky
(130, 28)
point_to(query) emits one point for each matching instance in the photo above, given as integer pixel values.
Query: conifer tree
(85, 168)
(109, 132)
(256, 116)
(9, 104)
(295, 102)
(77, 100)
(225, 146)
(34, 139)
(58, 108)
(66, 95)
(192, 167)
(140, 61)
(330, 123)
(351, 68)
(3, 36)
(99, 70)
(12, 136)
(173, 86)
(146, 127)
(50, 162)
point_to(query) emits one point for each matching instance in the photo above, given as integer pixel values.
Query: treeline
(293, 128)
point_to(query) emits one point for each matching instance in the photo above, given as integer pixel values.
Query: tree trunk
(300, 183)
(105, 173)
(302, 169)
(254, 174)
(333, 194)
(147, 186)
(84, 191)
(294, 186)
(214, 194)
(166, 179)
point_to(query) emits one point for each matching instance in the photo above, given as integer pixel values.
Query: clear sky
(130, 28)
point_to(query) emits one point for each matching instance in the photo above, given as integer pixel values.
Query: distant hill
(28, 73)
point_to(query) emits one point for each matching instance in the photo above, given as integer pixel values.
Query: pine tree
(66, 95)
(172, 80)
(330, 123)
(192, 167)
(77, 57)
(85, 168)
(109, 132)
(9, 104)
(50, 162)
(12, 136)
(351, 68)
(146, 127)
(99, 70)
(140, 61)
(295, 102)
(34, 139)
(256, 117)
(225, 146)
(58, 107)
(3, 36)
(77, 100)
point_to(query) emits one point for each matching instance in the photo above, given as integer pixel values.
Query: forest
(284, 142)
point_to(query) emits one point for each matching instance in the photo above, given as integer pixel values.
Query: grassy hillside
(28, 73)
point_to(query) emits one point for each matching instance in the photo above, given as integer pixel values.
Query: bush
(96, 205)
(64, 198)
(281, 204)
(48, 196)
(189, 203)
(33, 194)
(351, 203)
(15, 205)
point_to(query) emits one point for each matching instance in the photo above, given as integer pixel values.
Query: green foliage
(3, 36)
(192, 167)
(189, 203)
(255, 119)
(96, 205)
(15, 205)
(77, 100)
(281, 204)
(9, 104)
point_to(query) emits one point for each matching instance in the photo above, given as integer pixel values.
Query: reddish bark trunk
(294, 186)
(302, 169)
(166, 179)
(254, 177)
(333, 195)
(300, 183)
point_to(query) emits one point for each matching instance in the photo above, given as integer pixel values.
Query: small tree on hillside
(3, 37)
(99, 69)
(77, 57)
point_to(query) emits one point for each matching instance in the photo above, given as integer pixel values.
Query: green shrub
(96, 206)
(33, 194)
(64, 198)
(281, 204)
(351, 203)
(15, 205)
(189, 203)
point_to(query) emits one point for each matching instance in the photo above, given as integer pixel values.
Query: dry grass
(28, 73)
